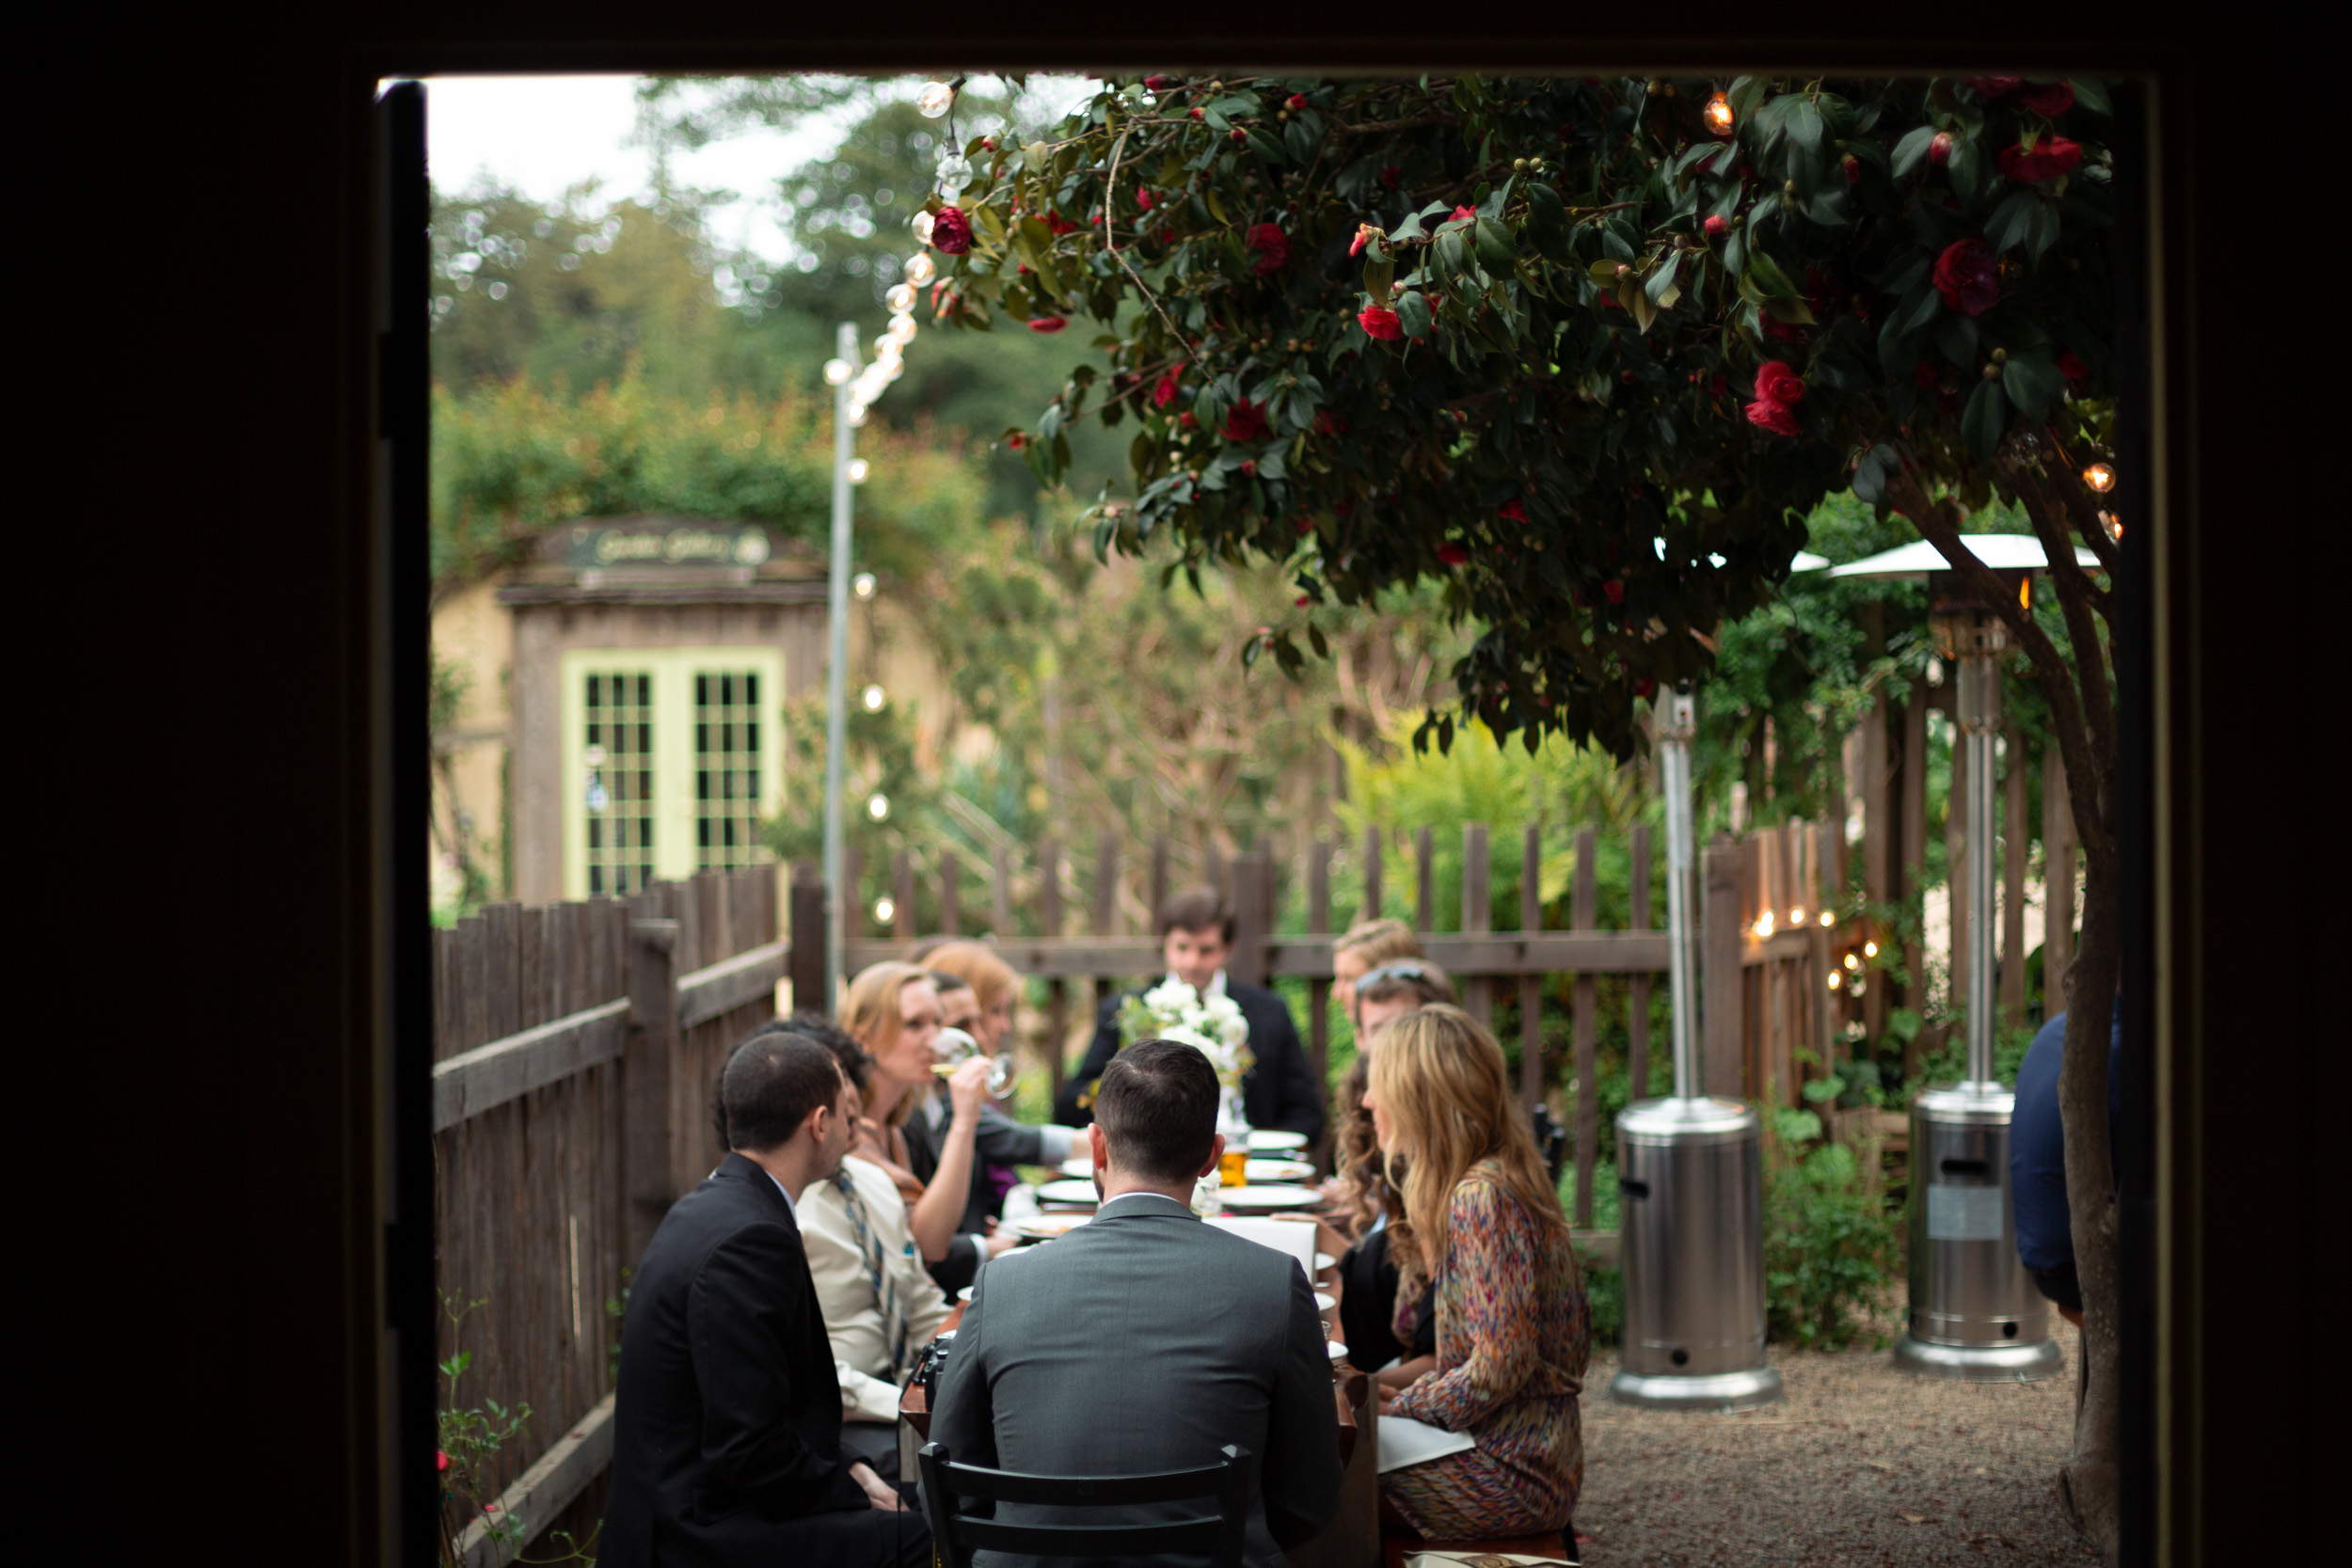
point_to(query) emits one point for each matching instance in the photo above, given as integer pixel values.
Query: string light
(858, 471)
(2114, 526)
(1764, 925)
(921, 270)
(878, 807)
(873, 698)
(921, 224)
(838, 372)
(955, 172)
(1718, 115)
(1796, 917)
(901, 330)
(901, 297)
(1828, 919)
(1834, 978)
(862, 585)
(935, 98)
(1852, 963)
(885, 909)
(2100, 477)
(1869, 949)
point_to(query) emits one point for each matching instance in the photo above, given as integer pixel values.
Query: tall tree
(1585, 352)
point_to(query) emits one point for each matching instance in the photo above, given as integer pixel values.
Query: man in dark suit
(726, 1446)
(1174, 1337)
(1196, 936)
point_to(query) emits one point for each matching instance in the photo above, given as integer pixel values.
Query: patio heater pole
(1975, 1313)
(1690, 1178)
(837, 666)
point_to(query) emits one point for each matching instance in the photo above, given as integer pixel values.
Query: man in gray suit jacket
(1146, 1340)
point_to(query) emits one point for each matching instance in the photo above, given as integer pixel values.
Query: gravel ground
(1860, 1463)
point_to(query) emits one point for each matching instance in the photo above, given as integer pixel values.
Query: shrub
(1831, 1247)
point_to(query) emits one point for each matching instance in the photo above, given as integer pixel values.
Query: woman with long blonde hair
(1481, 1222)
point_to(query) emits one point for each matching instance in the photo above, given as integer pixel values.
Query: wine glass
(951, 1048)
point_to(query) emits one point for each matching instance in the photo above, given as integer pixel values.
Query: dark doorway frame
(315, 1277)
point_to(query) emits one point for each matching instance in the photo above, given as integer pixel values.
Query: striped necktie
(878, 1272)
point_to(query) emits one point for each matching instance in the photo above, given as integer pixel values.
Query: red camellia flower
(1296, 100)
(2048, 99)
(1778, 390)
(1246, 421)
(1853, 169)
(1513, 510)
(440, 1458)
(1328, 423)
(1239, 135)
(1940, 149)
(1993, 88)
(1453, 555)
(1968, 277)
(1380, 322)
(1159, 83)
(1164, 390)
(1251, 467)
(2052, 157)
(951, 231)
(1461, 213)
(1613, 591)
(1143, 199)
(1015, 441)
(1195, 113)
(1056, 224)
(1365, 234)
(1389, 175)
(1716, 225)
(1923, 376)
(2070, 366)
(1273, 248)
(1188, 420)
(1048, 324)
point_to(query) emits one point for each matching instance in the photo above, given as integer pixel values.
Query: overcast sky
(543, 134)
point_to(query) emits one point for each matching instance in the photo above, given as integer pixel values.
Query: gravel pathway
(1860, 1463)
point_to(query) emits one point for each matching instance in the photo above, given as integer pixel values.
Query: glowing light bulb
(1764, 925)
(855, 414)
(921, 270)
(901, 297)
(1827, 919)
(2100, 477)
(878, 807)
(935, 98)
(1796, 917)
(1835, 978)
(1718, 115)
(838, 372)
(887, 910)
(955, 172)
(1869, 949)
(902, 329)
(921, 225)
(862, 585)
(857, 470)
(1852, 963)
(2113, 524)
(873, 699)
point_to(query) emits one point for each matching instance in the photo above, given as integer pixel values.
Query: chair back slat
(1012, 1486)
(1190, 1537)
(1231, 1482)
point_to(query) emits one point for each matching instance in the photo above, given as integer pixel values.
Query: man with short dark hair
(1208, 1339)
(1280, 1089)
(726, 1447)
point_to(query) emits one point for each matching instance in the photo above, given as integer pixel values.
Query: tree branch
(2076, 592)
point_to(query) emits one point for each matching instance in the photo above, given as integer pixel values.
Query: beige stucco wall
(473, 632)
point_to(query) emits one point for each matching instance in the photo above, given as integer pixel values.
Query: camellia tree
(1585, 352)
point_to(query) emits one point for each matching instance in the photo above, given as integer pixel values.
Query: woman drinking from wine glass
(1483, 1223)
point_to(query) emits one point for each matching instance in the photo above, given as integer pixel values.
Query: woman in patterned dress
(1513, 1325)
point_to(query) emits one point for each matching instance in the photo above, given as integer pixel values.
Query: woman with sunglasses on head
(1482, 1224)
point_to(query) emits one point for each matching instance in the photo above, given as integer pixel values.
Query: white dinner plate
(1280, 1170)
(1044, 1228)
(1073, 1191)
(1337, 1352)
(1270, 1195)
(1323, 1303)
(1268, 1140)
(1324, 1260)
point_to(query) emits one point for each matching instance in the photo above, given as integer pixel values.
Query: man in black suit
(1174, 1337)
(726, 1446)
(1196, 935)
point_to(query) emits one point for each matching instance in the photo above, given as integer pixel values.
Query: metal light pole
(837, 662)
(1691, 1179)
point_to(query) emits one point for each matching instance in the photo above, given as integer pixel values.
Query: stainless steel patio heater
(1690, 1181)
(1975, 1313)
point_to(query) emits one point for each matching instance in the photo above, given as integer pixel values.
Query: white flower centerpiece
(1173, 1011)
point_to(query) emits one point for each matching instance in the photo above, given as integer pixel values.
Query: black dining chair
(1553, 1139)
(956, 1536)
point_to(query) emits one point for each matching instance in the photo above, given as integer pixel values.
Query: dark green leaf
(1494, 245)
(1969, 169)
(1412, 313)
(1956, 335)
(1770, 282)
(1267, 147)
(1985, 420)
(2093, 95)
(2033, 384)
(2008, 225)
(1805, 125)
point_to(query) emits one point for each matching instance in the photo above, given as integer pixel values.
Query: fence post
(903, 924)
(950, 896)
(1581, 915)
(1253, 880)
(1477, 916)
(1057, 989)
(1637, 984)
(646, 1069)
(1319, 989)
(1106, 906)
(1159, 876)
(1425, 891)
(812, 989)
(1531, 985)
(1718, 969)
(1371, 875)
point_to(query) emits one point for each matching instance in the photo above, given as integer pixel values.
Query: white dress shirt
(845, 1287)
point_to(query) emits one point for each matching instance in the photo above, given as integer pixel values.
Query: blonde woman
(1480, 1222)
(892, 1011)
(994, 986)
